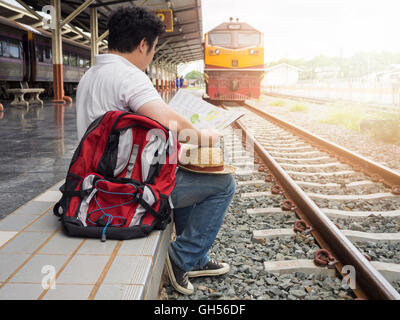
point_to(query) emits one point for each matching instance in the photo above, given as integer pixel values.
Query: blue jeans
(200, 202)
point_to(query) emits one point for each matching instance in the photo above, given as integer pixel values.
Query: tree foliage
(358, 65)
(194, 75)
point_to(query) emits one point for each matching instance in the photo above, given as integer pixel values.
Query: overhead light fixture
(169, 4)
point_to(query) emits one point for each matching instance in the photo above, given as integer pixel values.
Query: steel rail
(389, 177)
(370, 283)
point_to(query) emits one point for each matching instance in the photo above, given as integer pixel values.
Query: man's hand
(161, 112)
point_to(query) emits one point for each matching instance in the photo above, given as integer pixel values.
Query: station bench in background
(19, 93)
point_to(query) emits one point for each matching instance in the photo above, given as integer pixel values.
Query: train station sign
(166, 16)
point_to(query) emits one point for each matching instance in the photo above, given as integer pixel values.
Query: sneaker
(212, 268)
(179, 278)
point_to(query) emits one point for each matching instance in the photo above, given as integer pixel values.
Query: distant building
(391, 74)
(281, 74)
(332, 72)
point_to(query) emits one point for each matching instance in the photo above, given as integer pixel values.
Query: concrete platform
(37, 261)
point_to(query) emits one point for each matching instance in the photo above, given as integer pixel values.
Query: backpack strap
(148, 208)
(78, 193)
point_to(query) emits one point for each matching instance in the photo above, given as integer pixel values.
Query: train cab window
(220, 39)
(248, 39)
(73, 60)
(87, 63)
(65, 59)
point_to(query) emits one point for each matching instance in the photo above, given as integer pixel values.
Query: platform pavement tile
(16, 222)
(57, 186)
(158, 266)
(119, 292)
(20, 291)
(97, 247)
(69, 292)
(129, 270)
(61, 244)
(5, 236)
(34, 208)
(83, 270)
(25, 242)
(49, 196)
(146, 246)
(10, 201)
(47, 222)
(32, 270)
(9, 263)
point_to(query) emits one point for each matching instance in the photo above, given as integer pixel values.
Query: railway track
(345, 203)
(328, 188)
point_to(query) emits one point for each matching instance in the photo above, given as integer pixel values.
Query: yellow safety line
(61, 269)
(30, 257)
(105, 271)
(24, 228)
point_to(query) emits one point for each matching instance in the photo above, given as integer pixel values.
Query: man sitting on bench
(117, 82)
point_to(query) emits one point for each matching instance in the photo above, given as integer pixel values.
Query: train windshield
(220, 39)
(248, 39)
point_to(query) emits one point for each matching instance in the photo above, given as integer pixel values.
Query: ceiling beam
(102, 4)
(76, 12)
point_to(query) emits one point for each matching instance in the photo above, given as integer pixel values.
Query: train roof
(231, 26)
(26, 28)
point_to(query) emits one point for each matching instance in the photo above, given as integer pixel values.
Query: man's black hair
(129, 25)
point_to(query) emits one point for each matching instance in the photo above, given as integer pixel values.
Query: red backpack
(120, 179)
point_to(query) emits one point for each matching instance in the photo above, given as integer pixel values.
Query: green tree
(194, 75)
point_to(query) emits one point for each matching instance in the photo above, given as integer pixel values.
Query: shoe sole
(209, 273)
(175, 284)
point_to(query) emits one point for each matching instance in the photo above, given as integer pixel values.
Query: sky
(307, 28)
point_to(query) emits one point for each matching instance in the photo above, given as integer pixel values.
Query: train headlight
(252, 51)
(217, 51)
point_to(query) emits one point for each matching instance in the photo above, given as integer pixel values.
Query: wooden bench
(20, 92)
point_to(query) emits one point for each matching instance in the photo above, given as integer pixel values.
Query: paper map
(201, 113)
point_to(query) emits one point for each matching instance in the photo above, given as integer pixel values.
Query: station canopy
(181, 45)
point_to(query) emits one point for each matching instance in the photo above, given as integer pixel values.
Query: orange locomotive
(234, 62)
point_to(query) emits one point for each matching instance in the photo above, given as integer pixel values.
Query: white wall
(282, 75)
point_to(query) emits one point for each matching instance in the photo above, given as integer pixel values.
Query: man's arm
(161, 112)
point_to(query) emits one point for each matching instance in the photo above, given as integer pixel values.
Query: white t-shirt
(113, 83)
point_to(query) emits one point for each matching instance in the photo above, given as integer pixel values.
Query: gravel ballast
(247, 278)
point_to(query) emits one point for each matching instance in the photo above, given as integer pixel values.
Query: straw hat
(203, 160)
